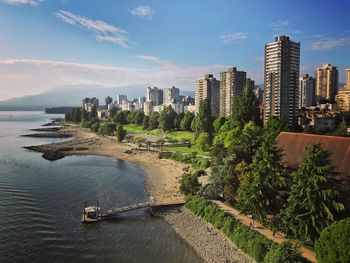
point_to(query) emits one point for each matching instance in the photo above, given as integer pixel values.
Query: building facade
(208, 88)
(89, 103)
(120, 99)
(172, 94)
(326, 83)
(232, 83)
(306, 91)
(155, 95)
(281, 77)
(343, 96)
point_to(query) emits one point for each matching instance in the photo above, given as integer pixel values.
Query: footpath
(268, 233)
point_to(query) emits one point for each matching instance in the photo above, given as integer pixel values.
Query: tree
(76, 115)
(138, 117)
(312, 202)
(204, 119)
(178, 119)
(120, 118)
(166, 118)
(93, 113)
(262, 189)
(341, 130)
(203, 141)
(187, 121)
(218, 123)
(95, 127)
(108, 128)
(285, 253)
(84, 115)
(120, 133)
(145, 122)
(334, 243)
(154, 121)
(189, 184)
(273, 127)
(130, 118)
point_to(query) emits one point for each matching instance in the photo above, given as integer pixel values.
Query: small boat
(91, 214)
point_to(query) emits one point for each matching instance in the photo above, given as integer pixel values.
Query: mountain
(72, 96)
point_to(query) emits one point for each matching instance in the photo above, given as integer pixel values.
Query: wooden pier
(93, 213)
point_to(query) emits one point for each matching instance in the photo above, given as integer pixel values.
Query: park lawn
(181, 135)
(185, 149)
(137, 129)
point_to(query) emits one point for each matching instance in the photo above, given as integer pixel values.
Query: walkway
(278, 238)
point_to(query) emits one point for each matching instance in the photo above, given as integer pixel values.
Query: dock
(93, 214)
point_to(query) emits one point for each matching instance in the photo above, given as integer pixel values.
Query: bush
(285, 253)
(334, 243)
(189, 184)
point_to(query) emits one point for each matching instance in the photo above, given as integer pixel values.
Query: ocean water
(41, 204)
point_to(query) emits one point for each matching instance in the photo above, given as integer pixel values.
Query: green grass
(181, 135)
(185, 149)
(137, 129)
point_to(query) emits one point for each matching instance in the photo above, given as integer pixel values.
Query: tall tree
(120, 133)
(145, 122)
(187, 121)
(93, 113)
(166, 118)
(84, 115)
(262, 189)
(218, 123)
(204, 122)
(313, 200)
(178, 119)
(154, 120)
(120, 118)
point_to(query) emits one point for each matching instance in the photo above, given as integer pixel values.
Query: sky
(49, 43)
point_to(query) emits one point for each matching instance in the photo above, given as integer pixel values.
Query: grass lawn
(185, 149)
(137, 129)
(178, 135)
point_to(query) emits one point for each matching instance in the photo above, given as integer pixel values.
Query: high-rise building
(281, 77)
(232, 83)
(250, 83)
(172, 94)
(120, 99)
(155, 95)
(147, 108)
(259, 94)
(108, 101)
(343, 96)
(208, 88)
(326, 81)
(306, 91)
(89, 103)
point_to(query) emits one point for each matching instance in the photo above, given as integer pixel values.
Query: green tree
(93, 113)
(145, 122)
(108, 128)
(334, 243)
(84, 115)
(341, 130)
(178, 119)
(154, 121)
(262, 189)
(166, 118)
(130, 118)
(204, 119)
(285, 253)
(312, 202)
(76, 115)
(273, 127)
(203, 141)
(120, 118)
(120, 133)
(189, 184)
(187, 121)
(218, 123)
(95, 127)
(138, 117)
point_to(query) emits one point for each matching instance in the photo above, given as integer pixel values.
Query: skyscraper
(155, 95)
(121, 98)
(326, 82)
(232, 83)
(171, 94)
(343, 96)
(281, 76)
(208, 88)
(306, 91)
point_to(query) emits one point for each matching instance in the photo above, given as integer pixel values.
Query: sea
(41, 204)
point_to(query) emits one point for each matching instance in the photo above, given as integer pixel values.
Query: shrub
(285, 253)
(189, 184)
(334, 243)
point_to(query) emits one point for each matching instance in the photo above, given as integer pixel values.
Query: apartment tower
(281, 77)
(343, 96)
(171, 94)
(208, 88)
(232, 83)
(326, 78)
(155, 95)
(306, 91)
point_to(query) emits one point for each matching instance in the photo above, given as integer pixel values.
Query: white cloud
(23, 2)
(279, 25)
(233, 37)
(143, 11)
(21, 77)
(330, 43)
(103, 31)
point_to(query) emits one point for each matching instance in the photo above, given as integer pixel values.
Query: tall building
(147, 108)
(343, 96)
(326, 78)
(171, 94)
(208, 88)
(250, 83)
(120, 99)
(89, 103)
(155, 95)
(108, 101)
(259, 94)
(281, 76)
(232, 83)
(306, 91)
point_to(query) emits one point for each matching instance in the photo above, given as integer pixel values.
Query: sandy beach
(162, 175)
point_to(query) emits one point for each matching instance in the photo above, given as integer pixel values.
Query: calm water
(41, 204)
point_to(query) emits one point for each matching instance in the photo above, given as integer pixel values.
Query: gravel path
(209, 243)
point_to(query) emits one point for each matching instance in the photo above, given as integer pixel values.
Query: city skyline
(48, 44)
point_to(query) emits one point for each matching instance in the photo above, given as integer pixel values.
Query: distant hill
(69, 96)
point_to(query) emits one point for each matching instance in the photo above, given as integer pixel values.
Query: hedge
(250, 241)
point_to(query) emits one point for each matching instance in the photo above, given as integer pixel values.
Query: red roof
(293, 146)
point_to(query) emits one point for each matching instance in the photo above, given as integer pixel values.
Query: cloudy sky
(48, 43)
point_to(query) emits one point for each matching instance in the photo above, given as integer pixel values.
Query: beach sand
(162, 175)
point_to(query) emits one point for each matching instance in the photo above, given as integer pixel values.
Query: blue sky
(47, 43)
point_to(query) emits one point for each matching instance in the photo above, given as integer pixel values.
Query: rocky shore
(209, 243)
